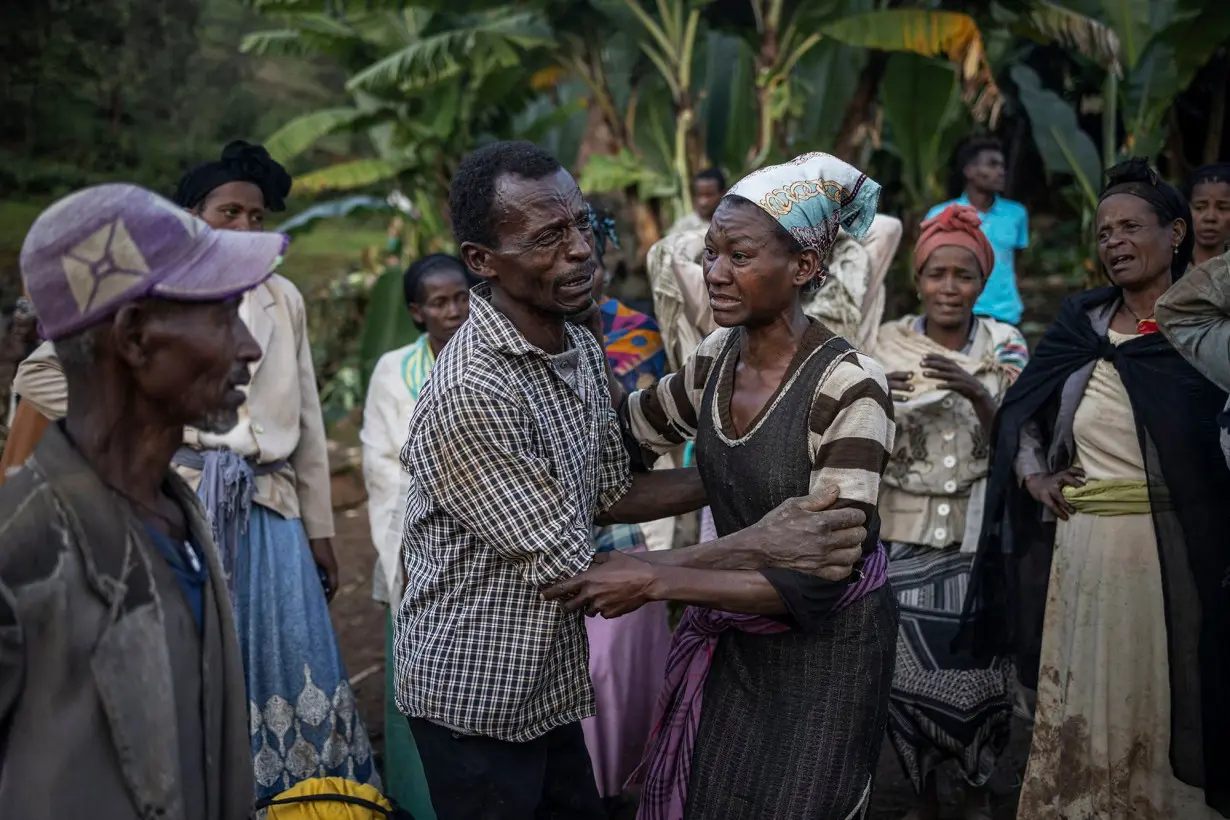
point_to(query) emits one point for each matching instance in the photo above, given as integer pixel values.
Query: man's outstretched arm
(657, 494)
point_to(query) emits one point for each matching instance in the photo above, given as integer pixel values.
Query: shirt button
(949, 435)
(256, 428)
(950, 461)
(950, 486)
(940, 534)
(943, 509)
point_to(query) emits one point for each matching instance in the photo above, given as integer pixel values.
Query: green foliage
(428, 85)
(1065, 149)
(1064, 146)
(349, 176)
(1092, 38)
(922, 104)
(129, 89)
(480, 44)
(1156, 46)
(301, 133)
(607, 173)
(335, 322)
(386, 324)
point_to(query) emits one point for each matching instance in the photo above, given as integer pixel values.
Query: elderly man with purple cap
(121, 684)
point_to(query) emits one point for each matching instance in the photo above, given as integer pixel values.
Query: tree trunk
(860, 113)
(1217, 115)
(648, 226)
(599, 138)
(764, 61)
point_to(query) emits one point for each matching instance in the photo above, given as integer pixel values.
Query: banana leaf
(1064, 147)
(387, 325)
(919, 95)
(332, 210)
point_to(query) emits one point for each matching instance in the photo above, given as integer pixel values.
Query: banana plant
(1151, 50)
(1065, 147)
(923, 109)
(928, 33)
(425, 85)
(670, 44)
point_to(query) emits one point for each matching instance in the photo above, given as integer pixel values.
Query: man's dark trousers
(481, 778)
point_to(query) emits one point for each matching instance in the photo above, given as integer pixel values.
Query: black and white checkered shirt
(511, 454)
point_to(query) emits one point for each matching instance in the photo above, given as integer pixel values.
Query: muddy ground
(359, 622)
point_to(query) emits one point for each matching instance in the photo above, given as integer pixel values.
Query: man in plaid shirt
(514, 452)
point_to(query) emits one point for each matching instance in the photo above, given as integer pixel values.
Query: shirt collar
(920, 327)
(500, 333)
(964, 200)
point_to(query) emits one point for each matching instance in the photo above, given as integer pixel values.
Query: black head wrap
(1136, 177)
(1213, 172)
(241, 162)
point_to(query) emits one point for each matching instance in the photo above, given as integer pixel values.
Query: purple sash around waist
(667, 764)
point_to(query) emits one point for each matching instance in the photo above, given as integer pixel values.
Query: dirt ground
(359, 622)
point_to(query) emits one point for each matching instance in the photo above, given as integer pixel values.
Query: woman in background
(627, 656)
(437, 293)
(1113, 434)
(1208, 189)
(948, 371)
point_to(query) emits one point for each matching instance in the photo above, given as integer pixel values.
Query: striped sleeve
(1012, 354)
(851, 431)
(663, 416)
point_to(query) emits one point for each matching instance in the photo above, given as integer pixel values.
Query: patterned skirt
(943, 707)
(302, 712)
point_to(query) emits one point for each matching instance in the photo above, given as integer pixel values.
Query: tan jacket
(113, 706)
(283, 404)
(937, 469)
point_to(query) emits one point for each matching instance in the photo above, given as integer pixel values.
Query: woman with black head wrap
(1107, 477)
(1208, 189)
(234, 192)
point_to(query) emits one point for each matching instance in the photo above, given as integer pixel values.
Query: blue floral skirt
(302, 714)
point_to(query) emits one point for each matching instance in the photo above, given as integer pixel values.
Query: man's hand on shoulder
(808, 535)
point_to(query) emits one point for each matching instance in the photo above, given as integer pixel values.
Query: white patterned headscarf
(812, 197)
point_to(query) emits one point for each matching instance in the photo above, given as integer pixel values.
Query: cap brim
(225, 264)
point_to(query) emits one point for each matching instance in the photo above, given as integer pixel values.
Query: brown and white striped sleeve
(664, 416)
(851, 431)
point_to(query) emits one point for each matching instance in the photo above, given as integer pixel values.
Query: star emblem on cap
(103, 266)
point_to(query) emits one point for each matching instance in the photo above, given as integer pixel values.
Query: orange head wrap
(956, 225)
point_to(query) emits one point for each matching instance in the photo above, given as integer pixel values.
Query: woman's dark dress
(792, 723)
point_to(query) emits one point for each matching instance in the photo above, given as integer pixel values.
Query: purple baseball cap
(101, 248)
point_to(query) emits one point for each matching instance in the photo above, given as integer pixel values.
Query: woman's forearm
(732, 552)
(657, 494)
(742, 591)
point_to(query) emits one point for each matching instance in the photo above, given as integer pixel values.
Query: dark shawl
(1175, 410)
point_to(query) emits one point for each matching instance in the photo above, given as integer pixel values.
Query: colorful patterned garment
(633, 345)
(416, 367)
(812, 197)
